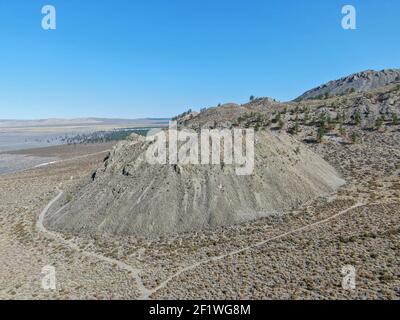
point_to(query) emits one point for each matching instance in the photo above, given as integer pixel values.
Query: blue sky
(157, 58)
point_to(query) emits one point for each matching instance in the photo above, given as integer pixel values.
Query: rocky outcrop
(129, 196)
(358, 82)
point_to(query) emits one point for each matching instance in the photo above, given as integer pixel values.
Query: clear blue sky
(156, 58)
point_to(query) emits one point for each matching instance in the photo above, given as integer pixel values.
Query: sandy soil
(65, 151)
(298, 256)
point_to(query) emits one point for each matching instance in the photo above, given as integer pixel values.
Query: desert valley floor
(298, 255)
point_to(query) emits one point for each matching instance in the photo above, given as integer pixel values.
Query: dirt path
(258, 244)
(65, 160)
(145, 293)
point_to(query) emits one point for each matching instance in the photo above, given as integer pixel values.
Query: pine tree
(306, 118)
(296, 127)
(320, 133)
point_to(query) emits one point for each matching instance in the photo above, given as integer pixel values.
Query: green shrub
(357, 118)
(320, 133)
(353, 137)
(379, 123)
(342, 130)
(395, 119)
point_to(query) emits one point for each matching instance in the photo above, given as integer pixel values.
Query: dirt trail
(71, 159)
(258, 244)
(145, 293)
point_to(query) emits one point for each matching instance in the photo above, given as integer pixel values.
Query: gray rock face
(128, 196)
(358, 82)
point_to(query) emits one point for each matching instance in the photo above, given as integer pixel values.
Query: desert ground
(30, 134)
(298, 255)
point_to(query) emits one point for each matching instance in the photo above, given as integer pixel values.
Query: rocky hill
(338, 116)
(358, 82)
(129, 196)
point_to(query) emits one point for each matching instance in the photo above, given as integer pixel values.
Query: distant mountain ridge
(357, 82)
(10, 123)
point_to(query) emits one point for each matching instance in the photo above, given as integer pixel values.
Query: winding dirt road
(65, 160)
(145, 293)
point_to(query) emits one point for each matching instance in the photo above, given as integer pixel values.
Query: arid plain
(299, 254)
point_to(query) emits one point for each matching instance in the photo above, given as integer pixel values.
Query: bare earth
(297, 256)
